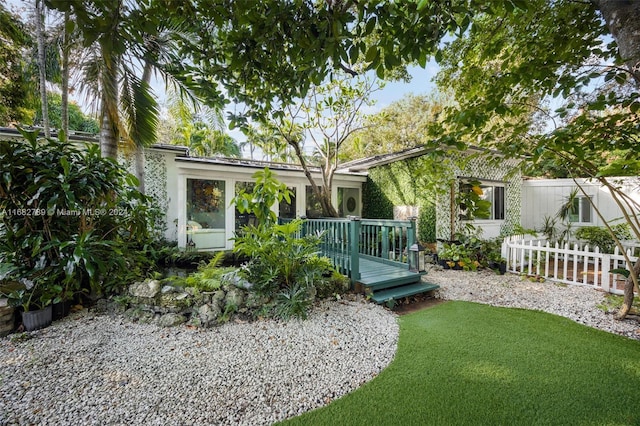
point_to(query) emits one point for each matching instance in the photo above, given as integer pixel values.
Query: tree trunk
(323, 195)
(42, 67)
(139, 154)
(109, 129)
(623, 19)
(64, 114)
(629, 287)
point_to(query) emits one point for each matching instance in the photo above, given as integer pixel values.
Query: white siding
(544, 197)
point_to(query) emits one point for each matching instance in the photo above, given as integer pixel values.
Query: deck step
(388, 279)
(402, 291)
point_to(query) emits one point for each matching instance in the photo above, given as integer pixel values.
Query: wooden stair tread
(402, 291)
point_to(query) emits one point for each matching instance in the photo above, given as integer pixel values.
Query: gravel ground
(99, 370)
(96, 370)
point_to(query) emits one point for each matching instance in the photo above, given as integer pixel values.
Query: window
(288, 210)
(314, 208)
(205, 203)
(580, 210)
(481, 200)
(495, 195)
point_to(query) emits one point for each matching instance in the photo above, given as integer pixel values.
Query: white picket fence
(569, 263)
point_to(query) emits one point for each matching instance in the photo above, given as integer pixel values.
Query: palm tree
(39, 25)
(122, 52)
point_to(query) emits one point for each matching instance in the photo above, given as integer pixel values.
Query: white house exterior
(172, 177)
(212, 225)
(543, 198)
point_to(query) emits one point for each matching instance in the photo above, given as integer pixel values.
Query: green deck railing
(346, 240)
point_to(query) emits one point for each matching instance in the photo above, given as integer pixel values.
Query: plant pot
(445, 265)
(35, 320)
(500, 267)
(61, 309)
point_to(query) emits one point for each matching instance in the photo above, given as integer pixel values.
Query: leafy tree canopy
(17, 102)
(78, 121)
(554, 59)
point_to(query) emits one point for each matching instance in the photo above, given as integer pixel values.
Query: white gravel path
(98, 370)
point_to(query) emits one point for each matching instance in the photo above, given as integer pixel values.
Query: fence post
(606, 276)
(303, 228)
(354, 237)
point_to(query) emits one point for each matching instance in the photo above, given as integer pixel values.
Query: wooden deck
(365, 249)
(384, 280)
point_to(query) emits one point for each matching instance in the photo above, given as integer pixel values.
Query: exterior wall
(157, 177)
(182, 169)
(480, 167)
(543, 198)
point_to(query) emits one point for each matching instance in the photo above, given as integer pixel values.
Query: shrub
(427, 224)
(208, 277)
(285, 267)
(70, 220)
(599, 236)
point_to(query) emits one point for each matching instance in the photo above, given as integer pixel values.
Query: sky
(420, 84)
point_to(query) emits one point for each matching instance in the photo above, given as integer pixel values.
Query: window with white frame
(581, 210)
(494, 193)
(481, 200)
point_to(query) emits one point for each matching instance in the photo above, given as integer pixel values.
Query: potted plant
(35, 301)
(497, 262)
(456, 256)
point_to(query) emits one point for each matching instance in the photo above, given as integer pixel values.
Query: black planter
(35, 320)
(61, 309)
(500, 267)
(445, 265)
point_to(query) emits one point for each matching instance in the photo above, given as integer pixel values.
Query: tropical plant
(599, 236)
(17, 101)
(285, 267)
(208, 277)
(267, 191)
(70, 218)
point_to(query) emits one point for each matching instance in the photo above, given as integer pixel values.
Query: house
(542, 198)
(196, 193)
(200, 191)
(421, 178)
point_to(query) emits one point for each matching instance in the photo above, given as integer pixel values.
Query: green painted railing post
(303, 228)
(385, 242)
(354, 239)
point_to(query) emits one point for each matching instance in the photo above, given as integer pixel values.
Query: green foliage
(375, 204)
(70, 220)
(470, 253)
(284, 266)
(78, 121)
(267, 191)
(18, 95)
(427, 223)
(208, 277)
(399, 126)
(294, 302)
(458, 256)
(470, 202)
(599, 236)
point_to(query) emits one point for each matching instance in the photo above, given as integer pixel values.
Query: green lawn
(466, 363)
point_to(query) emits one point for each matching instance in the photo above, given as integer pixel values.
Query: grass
(462, 363)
